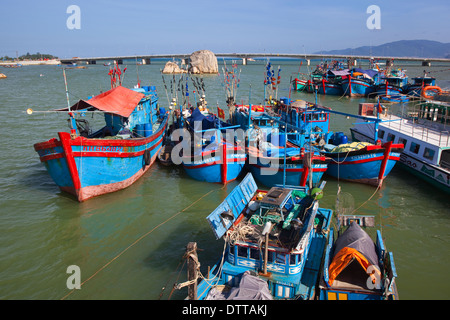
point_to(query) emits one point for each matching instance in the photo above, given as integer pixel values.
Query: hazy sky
(130, 27)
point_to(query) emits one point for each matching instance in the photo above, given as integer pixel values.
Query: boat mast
(73, 124)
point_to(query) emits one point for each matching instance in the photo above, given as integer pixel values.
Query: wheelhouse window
(254, 253)
(428, 154)
(390, 137)
(381, 134)
(242, 251)
(402, 141)
(414, 147)
(293, 259)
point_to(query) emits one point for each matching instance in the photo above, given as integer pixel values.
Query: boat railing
(424, 130)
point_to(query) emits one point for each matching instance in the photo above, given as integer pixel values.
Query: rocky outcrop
(203, 61)
(172, 67)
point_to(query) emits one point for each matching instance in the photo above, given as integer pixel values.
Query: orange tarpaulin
(342, 259)
(119, 100)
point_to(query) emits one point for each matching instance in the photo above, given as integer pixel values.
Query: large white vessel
(424, 133)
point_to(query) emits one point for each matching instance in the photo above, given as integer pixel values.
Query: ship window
(254, 253)
(414, 147)
(242, 252)
(270, 256)
(402, 141)
(381, 134)
(428, 154)
(390, 137)
(293, 259)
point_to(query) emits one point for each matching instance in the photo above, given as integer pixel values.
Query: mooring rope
(139, 239)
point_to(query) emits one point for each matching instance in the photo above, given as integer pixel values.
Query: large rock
(203, 61)
(172, 67)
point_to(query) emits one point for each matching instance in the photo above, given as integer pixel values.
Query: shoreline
(52, 62)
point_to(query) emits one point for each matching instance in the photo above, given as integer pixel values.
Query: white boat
(425, 134)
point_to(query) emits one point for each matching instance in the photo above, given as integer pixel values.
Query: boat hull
(368, 165)
(326, 88)
(271, 171)
(299, 84)
(434, 175)
(88, 168)
(211, 167)
(356, 88)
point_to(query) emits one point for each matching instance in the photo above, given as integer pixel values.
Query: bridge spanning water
(146, 59)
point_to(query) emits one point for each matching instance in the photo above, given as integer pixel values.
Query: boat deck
(431, 132)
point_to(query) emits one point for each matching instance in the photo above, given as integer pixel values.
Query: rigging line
(139, 239)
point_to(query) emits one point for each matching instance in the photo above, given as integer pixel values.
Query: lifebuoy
(147, 157)
(434, 88)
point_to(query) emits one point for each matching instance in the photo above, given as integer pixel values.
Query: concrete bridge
(146, 59)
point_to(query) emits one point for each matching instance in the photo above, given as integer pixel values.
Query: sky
(138, 27)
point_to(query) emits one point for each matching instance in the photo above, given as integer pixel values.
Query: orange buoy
(434, 88)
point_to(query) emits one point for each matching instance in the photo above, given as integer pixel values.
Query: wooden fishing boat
(299, 84)
(274, 244)
(393, 83)
(368, 164)
(209, 154)
(355, 267)
(88, 164)
(271, 158)
(359, 82)
(419, 83)
(424, 133)
(362, 162)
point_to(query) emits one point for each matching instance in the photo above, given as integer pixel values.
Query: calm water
(129, 244)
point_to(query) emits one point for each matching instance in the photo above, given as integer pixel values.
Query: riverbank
(32, 62)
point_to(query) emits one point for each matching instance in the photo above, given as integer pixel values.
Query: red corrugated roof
(119, 100)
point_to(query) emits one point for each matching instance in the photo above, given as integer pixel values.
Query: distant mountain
(402, 48)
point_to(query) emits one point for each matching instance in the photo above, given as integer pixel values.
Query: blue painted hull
(326, 88)
(91, 167)
(358, 88)
(270, 170)
(211, 169)
(364, 166)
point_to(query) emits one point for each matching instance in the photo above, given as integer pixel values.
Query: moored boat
(355, 267)
(362, 162)
(359, 82)
(368, 164)
(88, 164)
(424, 133)
(209, 153)
(272, 159)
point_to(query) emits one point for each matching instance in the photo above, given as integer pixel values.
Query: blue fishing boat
(325, 79)
(210, 154)
(271, 158)
(359, 82)
(355, 267)
(362, 162)
(274, 244)
(393, 83)
(368, 163)
(88, 163)
(415, 88)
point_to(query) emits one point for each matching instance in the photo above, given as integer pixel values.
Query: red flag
(221, 113)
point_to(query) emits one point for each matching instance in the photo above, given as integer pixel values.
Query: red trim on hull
(86, 193)
(65, 141)
(212, 163)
